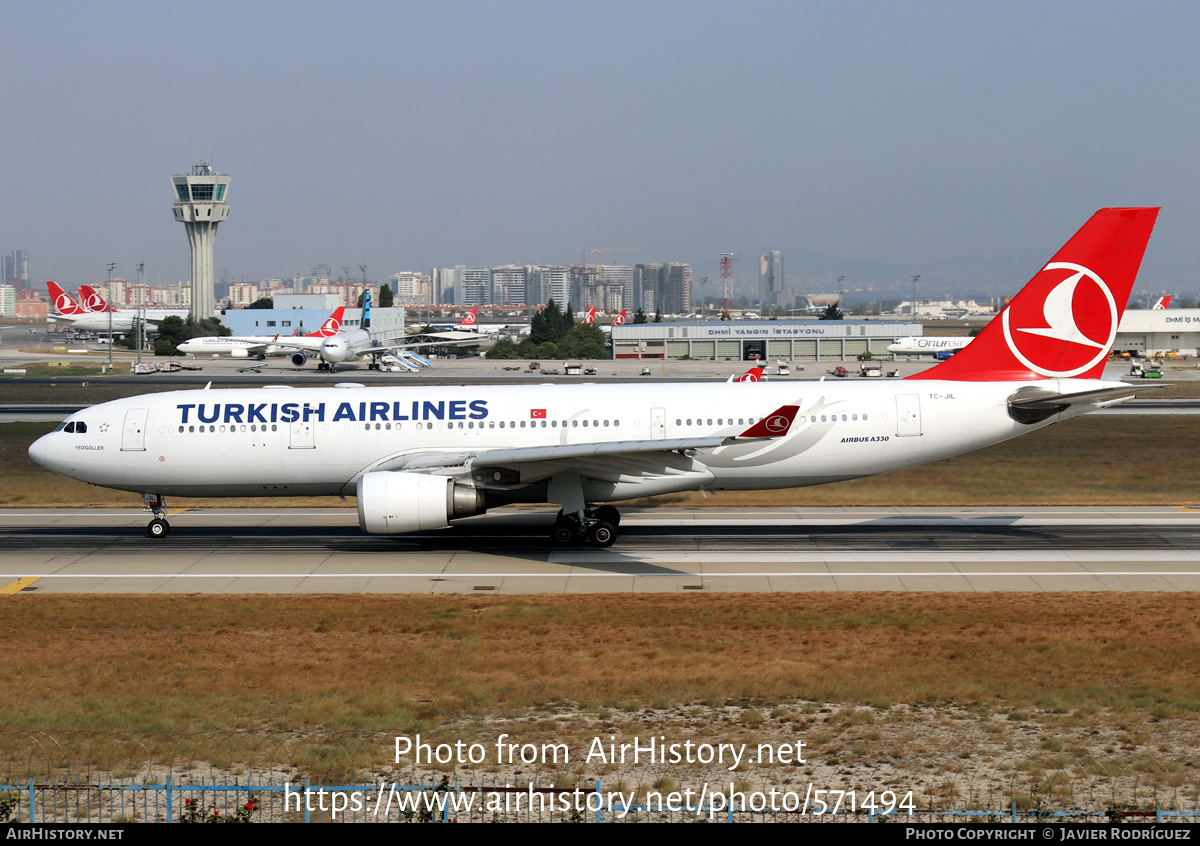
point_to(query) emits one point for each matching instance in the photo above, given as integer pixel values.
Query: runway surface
(660, 549)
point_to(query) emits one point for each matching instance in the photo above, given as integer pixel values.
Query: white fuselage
(931, 345)
(319, 441)
(122, 319)
(247, 346)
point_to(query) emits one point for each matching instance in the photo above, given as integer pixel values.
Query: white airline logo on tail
(331, 326)
(1058, 312)
(63, 304)
(590, 317)
(467, 321)
(619, 320)
(1163, 303)
(91, 300)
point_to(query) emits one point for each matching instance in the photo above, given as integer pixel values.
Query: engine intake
(298, 359)
(394, 502)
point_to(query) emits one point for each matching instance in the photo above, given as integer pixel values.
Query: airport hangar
(1152, 332)
(750, 340)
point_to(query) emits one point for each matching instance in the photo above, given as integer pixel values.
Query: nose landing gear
(158, 527)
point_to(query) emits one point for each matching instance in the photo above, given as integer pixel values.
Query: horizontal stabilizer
(1097, 397)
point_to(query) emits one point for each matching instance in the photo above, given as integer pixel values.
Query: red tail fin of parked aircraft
(590, 317)
(1163, 303)
(619, 320)
(1063, 323)
(468, 322)
(63, 304)
(331, 326)
(91, 300)
(754, 374)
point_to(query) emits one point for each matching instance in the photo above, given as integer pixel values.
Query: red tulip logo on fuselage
(1067, 327)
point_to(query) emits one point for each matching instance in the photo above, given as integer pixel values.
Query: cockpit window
(76, 426)
(61, 426)
(80, 428)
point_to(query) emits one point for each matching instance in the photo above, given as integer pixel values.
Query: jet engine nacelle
(393, 502)
(298, 359)
(239, 352)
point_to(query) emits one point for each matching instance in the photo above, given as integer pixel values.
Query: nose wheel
(158, 527)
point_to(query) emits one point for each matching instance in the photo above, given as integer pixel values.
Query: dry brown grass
(408, 663)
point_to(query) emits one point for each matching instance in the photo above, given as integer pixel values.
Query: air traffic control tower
(200, 205)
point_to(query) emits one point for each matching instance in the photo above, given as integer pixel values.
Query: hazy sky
(409, 135)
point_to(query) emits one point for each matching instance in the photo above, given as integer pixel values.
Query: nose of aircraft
(332, 349)
(39, 451)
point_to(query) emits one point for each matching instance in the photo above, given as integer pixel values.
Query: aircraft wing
(638, 456)
(384, 349)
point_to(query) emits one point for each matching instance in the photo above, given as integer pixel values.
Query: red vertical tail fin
(331, 326)
(63, 304)
(91, 300)
(1063, 322)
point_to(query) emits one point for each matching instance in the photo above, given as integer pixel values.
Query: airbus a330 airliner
(418, 457)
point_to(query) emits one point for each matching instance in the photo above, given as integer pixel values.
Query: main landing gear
(598, 524)
(158, 527)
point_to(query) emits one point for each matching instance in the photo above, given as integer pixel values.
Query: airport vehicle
(1146, 369)
(870, 370)
(839, 371)
(940, 348)
(262, 346)
(418, 457)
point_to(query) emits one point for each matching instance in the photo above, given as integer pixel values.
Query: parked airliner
(942, 348)
(416, 458)
(262, 346)
(349, 347)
